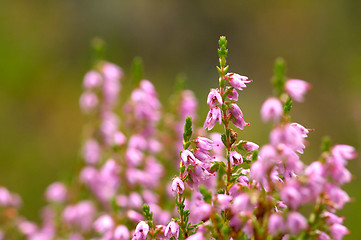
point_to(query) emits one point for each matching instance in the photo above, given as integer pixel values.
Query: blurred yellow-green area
(44, 54)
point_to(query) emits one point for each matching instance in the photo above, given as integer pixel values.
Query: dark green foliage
(279, 79)
(187, 132)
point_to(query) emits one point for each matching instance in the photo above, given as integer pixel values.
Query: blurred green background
(44, 54)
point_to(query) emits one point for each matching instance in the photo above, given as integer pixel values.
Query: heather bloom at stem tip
(297, 89)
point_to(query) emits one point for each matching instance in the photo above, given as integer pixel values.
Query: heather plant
(150, 173)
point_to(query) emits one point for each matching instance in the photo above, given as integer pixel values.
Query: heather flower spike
(150, 173)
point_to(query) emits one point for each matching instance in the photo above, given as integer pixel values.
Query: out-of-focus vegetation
(44, 53)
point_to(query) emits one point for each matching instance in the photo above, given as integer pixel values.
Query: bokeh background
(44, 54)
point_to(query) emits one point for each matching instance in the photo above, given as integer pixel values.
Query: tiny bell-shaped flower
(204, 144)
(237, 81)
(214, 97)
(141, 231)
(92, 80)
(271, 109)
(224, 201)
(121, 232)
(188, 158)
(275, 224)
(250, 146)
(338, 231)
(56, 192)
(104, 224)
(88, 101)
(177, 185)
(235, 158)
(172, 230)
(213, 116)
(233, 94)
(296, 222)
(297, 89)
(237, 116)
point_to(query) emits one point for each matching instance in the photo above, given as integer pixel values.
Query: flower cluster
(128, 185)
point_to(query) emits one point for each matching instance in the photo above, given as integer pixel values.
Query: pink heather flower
(177, 185)
(202, 155)
(104, 224)
(75, 236)
(248, 228)
(242, 204)
(288, 136)
(92, 80)
(338, 231)
(88, 102)
(204, 210)
(109, 126)
(56, 192)
(233, 94)
(224, 201)
(337, 196)
(135, 200)
(81, 215)
(112, 71)
(276, 224)
(188, 104)
(172, 230)
(322, 235)
(119, 138)
(213, 116)
(188, 158)
(268, 156)
(27, 227)
(291, 196)
(341, 153)
(214, 97)
(141, 231)
(235, 158)
(134, 157)
(197, 236)
(297, 89)
(237, 81)
(336, 170)
(5, 197)
(134, 216)
(91, 151)
(205, 144)
(296, 222)
(237, 116)
(258, 171)
(121, 232)
(250, 146)
(332, 218)
(301, 129)
(272, 109)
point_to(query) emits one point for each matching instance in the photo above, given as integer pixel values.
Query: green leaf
(287, 106)
(278, 81)
(137, 70)
(98, 48)
(207, 195)
(326, 144)
(224, 139)
(254, 155)
(187, 130)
